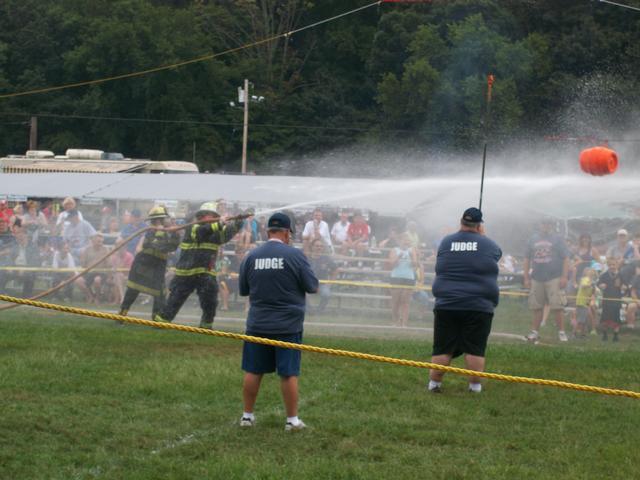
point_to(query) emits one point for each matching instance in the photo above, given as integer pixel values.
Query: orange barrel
(598, 161)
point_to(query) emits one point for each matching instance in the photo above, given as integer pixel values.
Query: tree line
(411, 74)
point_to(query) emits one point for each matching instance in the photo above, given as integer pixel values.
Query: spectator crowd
(45, 242)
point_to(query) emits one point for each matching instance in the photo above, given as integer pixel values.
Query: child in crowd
(225, 284)
(612, 288)
(585, 302)
(634, 304)
(62, 259)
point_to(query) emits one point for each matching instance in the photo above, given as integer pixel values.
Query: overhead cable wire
(637, 9)
(185, 62)
(191, 122)
(350, 128)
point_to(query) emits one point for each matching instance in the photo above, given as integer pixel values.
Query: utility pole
(485, 124)
(33, 134)
(245, 131)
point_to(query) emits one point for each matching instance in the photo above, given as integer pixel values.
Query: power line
(25, 123)
(196, 122)
(186, 62)
(349, 128)
(637, 9)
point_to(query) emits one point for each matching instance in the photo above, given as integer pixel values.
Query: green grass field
(83, 398)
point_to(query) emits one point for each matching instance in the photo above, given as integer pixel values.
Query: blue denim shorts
(259, 359)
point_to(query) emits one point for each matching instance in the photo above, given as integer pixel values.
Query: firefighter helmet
(157, 213)
(207, 208)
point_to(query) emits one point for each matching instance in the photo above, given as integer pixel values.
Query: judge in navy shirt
(466, 292)
(276, 277)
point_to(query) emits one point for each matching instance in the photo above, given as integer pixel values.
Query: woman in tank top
(403, 261)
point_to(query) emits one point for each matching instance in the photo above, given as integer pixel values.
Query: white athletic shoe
(248, 422)
(290, 427)
(563, 337)
(435, 389)
(533, 337)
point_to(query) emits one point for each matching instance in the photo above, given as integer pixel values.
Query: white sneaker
(248, 422)
(533, 336)
(563, 337)
(290, 427)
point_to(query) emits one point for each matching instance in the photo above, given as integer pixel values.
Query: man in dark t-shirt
(466, 292)
(546, 269)
(276, 277)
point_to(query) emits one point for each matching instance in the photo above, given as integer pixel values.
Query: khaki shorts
(543, 293)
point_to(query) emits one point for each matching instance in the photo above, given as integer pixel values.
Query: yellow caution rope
(327, 351)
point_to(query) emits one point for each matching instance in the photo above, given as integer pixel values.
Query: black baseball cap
(472, 215)
(279, 221)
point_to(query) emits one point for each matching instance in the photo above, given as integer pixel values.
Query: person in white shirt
(316, 228)
(340, 229)
(77, 233)
(62, 221)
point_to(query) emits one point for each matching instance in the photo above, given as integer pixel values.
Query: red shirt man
(359, 230)
(358, 235)
(5, 211)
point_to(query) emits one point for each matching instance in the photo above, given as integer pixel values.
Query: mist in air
(525, 179)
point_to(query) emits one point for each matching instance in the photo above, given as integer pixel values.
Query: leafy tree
(413, 74)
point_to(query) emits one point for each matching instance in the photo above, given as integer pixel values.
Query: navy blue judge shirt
(276, 277)
(467, 273)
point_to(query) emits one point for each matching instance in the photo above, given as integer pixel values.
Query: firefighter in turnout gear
(195, 269)
(148, 270)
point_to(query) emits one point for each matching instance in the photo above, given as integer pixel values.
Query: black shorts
(461, 331)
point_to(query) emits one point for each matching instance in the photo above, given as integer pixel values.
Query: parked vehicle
(88, 161)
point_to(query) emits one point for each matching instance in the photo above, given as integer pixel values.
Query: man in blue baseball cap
(545, 273)
(466, 292)
(472, 216)
(276, 277)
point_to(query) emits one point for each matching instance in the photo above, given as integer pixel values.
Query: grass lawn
(83, 398)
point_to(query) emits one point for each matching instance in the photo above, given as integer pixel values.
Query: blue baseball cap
(279, 221)
(472, 215)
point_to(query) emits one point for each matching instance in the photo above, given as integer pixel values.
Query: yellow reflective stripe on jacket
(215, 226)
(196, 246)
(184, 272)
(143, 289)
(155, 253)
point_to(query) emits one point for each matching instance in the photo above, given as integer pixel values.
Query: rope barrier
(323, 350)
(59, 270)
(348, 283)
